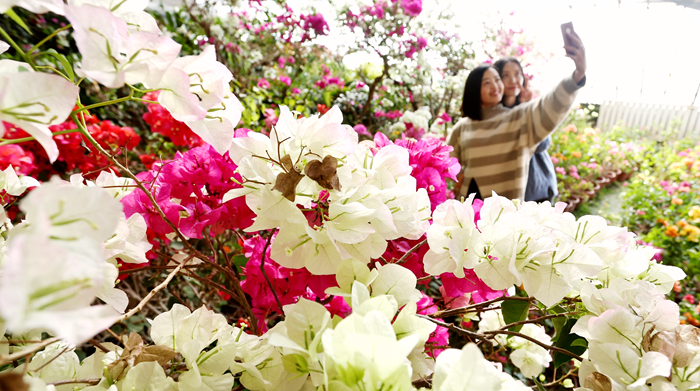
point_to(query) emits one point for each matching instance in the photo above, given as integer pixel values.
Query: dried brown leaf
(596, 381)
(12, 381)
(325, 172)
(664, 342)
(135, 352)
(687, 344)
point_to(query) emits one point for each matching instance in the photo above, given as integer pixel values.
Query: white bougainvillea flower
(192, 85)
(625, 366)
(34, 101)
(130, 11)
(118, 187)
(146, 376)
(14, 185)
(35, 6)
(3, 47)
(56, 362)
(305, 322)
(112, 56)
(73, 212)
(217, 128)
(465, 370)
(397, 281)
(129, 242)
(50, 284)
(364, 349)
(55, 264)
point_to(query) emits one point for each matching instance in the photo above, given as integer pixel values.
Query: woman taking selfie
(494, 144)
(541, 178)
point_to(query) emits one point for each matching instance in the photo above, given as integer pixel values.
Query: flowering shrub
(294, 257)
(661, 204)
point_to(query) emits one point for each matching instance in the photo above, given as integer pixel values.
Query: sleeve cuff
(571, 86)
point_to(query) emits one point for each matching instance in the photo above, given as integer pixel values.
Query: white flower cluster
(121, 44)
(635, 340)
(547, 251)
(63, 255)
(529, 357)
(354, 197)
(419, 118)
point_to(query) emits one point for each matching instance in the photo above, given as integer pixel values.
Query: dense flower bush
(285, 253)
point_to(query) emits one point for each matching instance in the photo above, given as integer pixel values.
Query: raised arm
(543, 116)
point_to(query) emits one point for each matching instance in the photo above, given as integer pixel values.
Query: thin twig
(91, 382)
(506, 327)
(155, 291)
(492, 333)
(454, 328)
(8, 358)
(411, 251)
(98, 345)
(470, 308)
(262, 269)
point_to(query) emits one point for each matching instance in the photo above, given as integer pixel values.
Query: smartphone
(567, 28)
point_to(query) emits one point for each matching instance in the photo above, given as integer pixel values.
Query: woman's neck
(509, 101)
(489, 105)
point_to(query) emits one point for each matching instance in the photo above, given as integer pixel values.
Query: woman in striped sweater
(493, 143)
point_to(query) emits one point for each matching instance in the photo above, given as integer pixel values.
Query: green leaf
(540, 387)
(580, 342)
(568, 341)
(67, 67)
(515, 311)
(240, 260)
(11, 13)
(558, 323)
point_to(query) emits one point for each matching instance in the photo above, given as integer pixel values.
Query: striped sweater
(496, 151)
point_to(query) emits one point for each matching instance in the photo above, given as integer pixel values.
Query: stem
(492, 333)
(506, 327)
(30, 138)
(71, 381)
(107, 103)
(154, 291)
(469, 308)
(411, 251)
(43, 41)
(6, 359)
(262, 269)
(455, 328)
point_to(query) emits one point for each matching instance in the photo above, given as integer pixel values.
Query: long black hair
(500, 64)
(471, 101)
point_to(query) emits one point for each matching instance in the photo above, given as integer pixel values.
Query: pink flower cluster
(671, 188)
(414, 45)
(431, 163)
(314, 22)
(328, 79)
(440, 338)
(288, 284)
(391, 115)
(412, 7)
(189, 190)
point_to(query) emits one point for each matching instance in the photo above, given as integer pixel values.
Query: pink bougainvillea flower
(412, 7)
(285, 79)
(263, 83)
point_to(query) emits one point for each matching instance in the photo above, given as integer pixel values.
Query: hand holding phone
(574, 50)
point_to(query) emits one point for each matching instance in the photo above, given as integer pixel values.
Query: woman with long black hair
(541, 178)
(494, 144)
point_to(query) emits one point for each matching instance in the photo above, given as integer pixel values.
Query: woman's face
(491, 88)
(512, 79)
